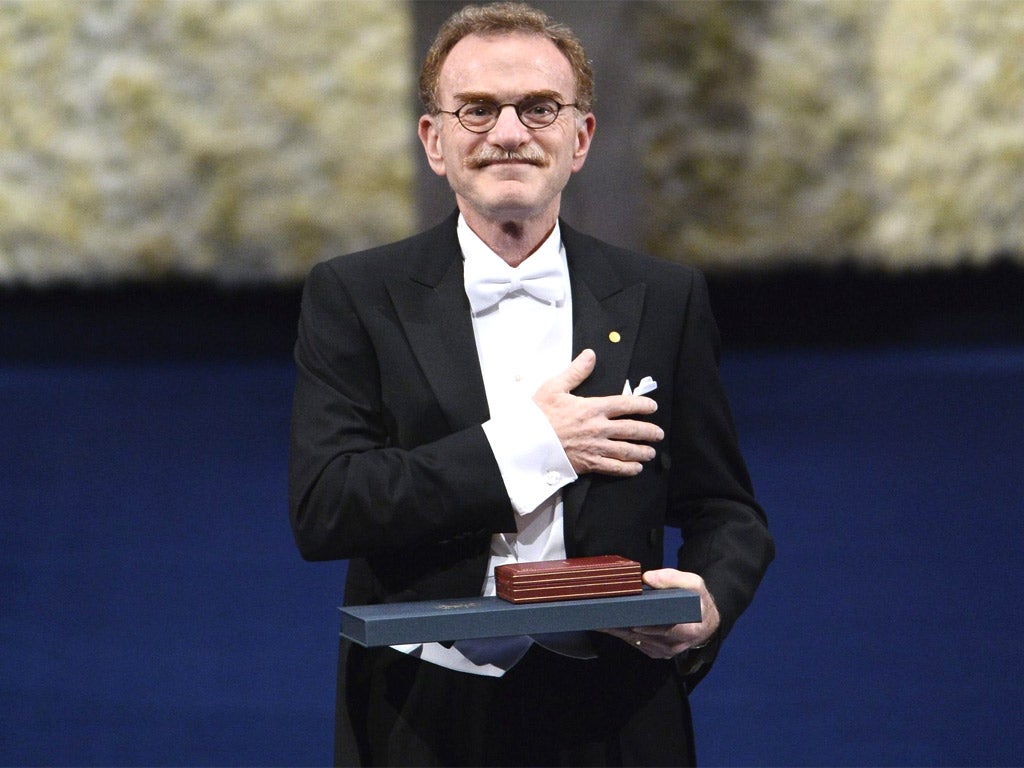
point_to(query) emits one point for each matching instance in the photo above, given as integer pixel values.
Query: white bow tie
(485, 290)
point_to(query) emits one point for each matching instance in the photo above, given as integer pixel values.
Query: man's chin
(508, 201)
(513, 210)
(507, 204)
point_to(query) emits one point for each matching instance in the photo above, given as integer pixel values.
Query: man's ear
(584, 135)
(430, 137)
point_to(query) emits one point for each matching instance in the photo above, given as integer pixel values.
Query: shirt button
(551, 477)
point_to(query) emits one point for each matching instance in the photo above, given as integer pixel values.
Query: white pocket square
(646, 385)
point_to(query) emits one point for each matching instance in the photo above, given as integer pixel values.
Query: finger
(615, 406)
(655, 648)
(604, 466)
(577, 372)
(606, 456)
(669, 578)
(615, 451)
(657, 631)
(636, 431)
(654, 645)
(667, 640)
(627, 405)
(642, 643)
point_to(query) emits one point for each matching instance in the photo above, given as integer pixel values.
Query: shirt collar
(550, 252)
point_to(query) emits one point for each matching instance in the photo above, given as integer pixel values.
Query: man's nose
(509, 132)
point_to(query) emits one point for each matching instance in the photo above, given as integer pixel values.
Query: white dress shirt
(521, 342)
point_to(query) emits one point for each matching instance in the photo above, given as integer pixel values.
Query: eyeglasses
(482, 116)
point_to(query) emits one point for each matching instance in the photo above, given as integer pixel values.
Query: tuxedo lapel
(608, 326)
(430, 300)
(606, 312)
(606, 318)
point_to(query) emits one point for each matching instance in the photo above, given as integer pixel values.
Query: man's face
(512, 172)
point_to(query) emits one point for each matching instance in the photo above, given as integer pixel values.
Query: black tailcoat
(390, 465)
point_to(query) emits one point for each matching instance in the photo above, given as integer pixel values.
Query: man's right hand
(592, 431)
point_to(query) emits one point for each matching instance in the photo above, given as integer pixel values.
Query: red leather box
(569, 579)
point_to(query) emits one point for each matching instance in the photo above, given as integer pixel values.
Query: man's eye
(540, 109)
(478, 110)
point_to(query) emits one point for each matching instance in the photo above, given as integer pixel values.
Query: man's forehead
(483, 63)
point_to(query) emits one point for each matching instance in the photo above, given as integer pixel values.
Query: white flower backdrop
(242, 141)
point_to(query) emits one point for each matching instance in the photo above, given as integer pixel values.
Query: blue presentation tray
(467, 618)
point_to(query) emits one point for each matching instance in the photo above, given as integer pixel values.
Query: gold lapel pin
(614, 337)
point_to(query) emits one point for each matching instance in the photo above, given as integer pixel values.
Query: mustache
(490, 155)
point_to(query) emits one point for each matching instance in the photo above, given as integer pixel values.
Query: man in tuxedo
(465, 398)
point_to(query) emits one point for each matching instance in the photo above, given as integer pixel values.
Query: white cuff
(531, 459)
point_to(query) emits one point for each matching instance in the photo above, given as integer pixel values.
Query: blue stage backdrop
(155, 610)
